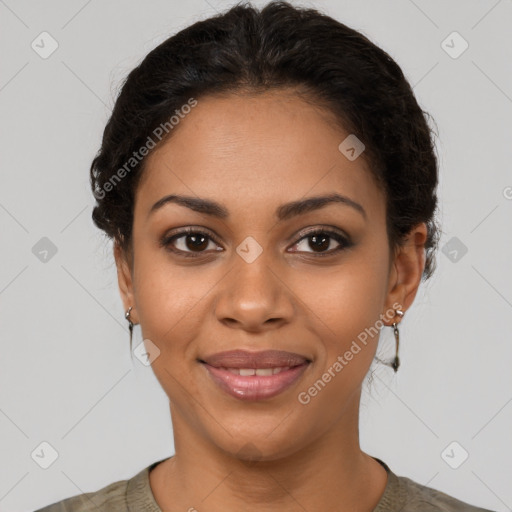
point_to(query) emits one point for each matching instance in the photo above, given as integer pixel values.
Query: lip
(254, 387)
(261, 359)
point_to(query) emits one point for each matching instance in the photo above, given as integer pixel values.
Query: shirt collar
(394, 497)
(139, 497)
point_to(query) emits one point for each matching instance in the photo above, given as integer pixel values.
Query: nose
(253, 297)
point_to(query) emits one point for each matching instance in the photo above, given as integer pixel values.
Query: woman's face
(257, 281)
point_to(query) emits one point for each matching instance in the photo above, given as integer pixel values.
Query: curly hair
(278, 46)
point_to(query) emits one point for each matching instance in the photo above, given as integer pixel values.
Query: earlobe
(124, 279)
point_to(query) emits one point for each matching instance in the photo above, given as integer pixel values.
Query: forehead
(256, 150)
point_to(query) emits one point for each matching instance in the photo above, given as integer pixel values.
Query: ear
(124, 278)
(406, 271)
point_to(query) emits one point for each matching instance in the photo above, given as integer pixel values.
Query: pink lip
(255, 387)
(261, 359)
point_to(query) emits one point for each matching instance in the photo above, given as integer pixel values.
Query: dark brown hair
(279, 46)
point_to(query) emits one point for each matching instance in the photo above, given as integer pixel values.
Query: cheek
(344, 308)
(348, 296)
(344, 314)
(167, 298)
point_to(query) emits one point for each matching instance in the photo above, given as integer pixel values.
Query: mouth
(255, 375)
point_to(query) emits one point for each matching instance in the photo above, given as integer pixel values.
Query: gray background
(66, 376)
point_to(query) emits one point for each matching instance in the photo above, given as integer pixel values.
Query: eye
(191, 240)
(320, 239)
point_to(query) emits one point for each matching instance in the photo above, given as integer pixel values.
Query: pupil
(319, 241)
(198, 242)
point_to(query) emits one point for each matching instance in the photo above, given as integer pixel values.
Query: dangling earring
(396, 361)
(130, 325)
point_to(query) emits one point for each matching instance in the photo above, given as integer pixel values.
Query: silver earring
(130, 325)
(396, 361)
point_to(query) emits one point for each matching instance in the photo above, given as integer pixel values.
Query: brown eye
(189, 241)
(195, 242)
(321, 240)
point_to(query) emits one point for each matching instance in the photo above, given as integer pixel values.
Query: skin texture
(253, 153)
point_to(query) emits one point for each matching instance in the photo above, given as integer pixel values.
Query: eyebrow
(284, 212)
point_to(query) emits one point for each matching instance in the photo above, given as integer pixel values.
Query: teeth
(262, 372)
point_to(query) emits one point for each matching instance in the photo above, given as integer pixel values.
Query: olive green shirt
(134, 495)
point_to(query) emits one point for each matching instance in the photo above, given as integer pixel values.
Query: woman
(269, 182)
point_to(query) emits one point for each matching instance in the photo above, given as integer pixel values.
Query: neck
(329, 473)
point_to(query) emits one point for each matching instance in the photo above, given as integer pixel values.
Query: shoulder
(402, 493)
(420, 498)
(111, 497)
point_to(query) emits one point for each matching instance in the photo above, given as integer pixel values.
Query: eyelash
(344, 242)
